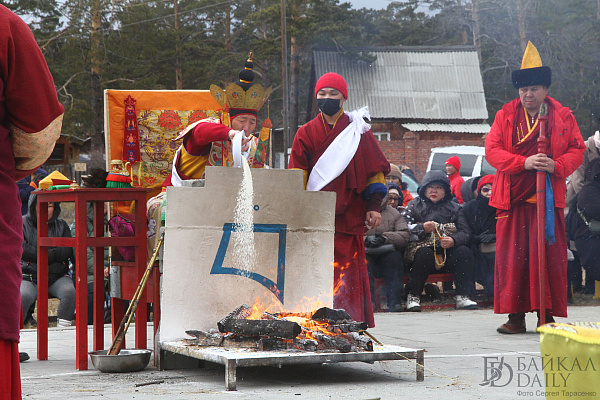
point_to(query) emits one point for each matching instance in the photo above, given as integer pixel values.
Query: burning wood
(271, 328)
(324, 330)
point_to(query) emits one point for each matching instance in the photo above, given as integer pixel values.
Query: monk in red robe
(30, 123)
(359, 184)
(511, 147)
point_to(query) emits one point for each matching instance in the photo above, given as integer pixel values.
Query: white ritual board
(293, 234)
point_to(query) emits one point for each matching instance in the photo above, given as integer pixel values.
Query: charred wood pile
(324, 330)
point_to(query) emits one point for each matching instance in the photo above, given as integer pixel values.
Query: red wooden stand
(81, 242)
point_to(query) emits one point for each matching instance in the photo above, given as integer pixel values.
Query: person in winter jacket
(28, 185)
(468, 189)
(511, 147)
(481, 218)
(395, 177)
(60, 285)
(434, 213)
(395, 198)
(587, 233)
(576, 179)
(384, 246)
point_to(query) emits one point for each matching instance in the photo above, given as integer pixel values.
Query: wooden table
(81, 242)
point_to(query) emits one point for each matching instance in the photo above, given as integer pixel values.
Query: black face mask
(329, 106)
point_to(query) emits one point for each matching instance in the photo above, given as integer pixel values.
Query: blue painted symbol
(256, 207)
(276, 288)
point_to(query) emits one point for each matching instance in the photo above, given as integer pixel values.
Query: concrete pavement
(463, 352)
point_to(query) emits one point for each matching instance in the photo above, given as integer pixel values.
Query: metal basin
(126, 361)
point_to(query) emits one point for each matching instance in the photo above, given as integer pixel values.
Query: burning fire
(303, 310)
(311, 326)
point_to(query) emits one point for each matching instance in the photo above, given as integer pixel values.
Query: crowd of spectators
(472, 227)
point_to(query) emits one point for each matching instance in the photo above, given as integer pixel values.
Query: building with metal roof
(430, 96)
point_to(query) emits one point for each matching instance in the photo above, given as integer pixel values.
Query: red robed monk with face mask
(338, 153)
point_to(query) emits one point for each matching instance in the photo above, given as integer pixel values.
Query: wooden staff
(542, 144)
(117, 343)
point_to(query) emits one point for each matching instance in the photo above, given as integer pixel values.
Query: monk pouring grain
(512, 148)
(338, 153)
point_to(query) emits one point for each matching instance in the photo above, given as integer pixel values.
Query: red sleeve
(28, 85)
(496, 152)
(300, 151)
(567, 163)
(458, 194)
(374, 202)
(407, 197)
(204, 134)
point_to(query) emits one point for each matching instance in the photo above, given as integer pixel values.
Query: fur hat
(532, 72)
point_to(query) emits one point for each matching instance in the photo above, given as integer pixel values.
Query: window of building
(382, 136)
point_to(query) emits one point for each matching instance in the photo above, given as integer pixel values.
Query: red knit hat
(488, 179)
(332, 80)
(454, 161)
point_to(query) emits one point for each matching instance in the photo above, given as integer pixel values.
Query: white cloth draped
(337, 156)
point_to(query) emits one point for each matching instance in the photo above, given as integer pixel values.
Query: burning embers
(324, 330)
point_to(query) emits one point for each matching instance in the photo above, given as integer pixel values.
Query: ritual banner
(161, 115)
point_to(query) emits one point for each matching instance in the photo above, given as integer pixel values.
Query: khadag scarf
(131, 137)
(340, 152)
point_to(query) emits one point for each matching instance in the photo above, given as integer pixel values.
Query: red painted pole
(542, 144)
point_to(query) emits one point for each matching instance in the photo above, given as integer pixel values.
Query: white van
(472, 160)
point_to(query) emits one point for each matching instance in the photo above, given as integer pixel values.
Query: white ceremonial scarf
(175, 178)
(337, 156)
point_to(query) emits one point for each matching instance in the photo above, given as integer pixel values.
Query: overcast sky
(374, 4)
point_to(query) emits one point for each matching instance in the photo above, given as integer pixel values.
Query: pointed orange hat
(532, 72)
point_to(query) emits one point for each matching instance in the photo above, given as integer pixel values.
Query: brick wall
(413, 149)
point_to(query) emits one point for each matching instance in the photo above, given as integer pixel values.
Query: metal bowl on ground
(130, 360)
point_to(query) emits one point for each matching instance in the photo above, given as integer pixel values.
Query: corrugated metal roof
(411, 82)
(454, 128)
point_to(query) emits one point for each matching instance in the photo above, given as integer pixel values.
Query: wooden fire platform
(232, 359)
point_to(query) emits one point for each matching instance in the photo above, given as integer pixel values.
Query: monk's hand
(373, 219)
(446, 242)
(245, 138)
(429, 226)
(540, 162)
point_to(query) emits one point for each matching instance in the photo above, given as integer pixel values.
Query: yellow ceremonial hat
(243, 96)
(53, 179)
(532, 72)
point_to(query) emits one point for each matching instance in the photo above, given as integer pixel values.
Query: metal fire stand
(233, 358)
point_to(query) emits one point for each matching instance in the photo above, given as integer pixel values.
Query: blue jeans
(63, 289)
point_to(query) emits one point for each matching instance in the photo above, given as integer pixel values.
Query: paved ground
(462, 347)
